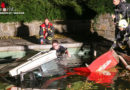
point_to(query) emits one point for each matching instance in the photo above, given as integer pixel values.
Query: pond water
(58, 76)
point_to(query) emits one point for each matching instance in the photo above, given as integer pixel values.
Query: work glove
(122, 45)
(49, 38)
(114, 45)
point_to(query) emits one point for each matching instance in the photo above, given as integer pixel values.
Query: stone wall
(11, 29)
(104, 26)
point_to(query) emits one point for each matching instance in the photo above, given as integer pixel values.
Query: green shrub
(33, 10)
(101, 6)
(55, 9)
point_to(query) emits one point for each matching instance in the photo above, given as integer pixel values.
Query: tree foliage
(55, 9)
(101, 6)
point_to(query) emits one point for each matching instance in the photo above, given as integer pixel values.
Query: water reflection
(53, 75)
(105, 77)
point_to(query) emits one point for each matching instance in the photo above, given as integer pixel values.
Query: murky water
(67, 78)
(110, 80)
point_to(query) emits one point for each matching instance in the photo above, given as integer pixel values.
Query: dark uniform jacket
(123, 36)
(46, 29)
(120, 12)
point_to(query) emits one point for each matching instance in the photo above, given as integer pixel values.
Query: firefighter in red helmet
(46, 32)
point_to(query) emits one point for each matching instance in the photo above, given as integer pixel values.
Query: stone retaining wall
(11, 29)
(104, 26)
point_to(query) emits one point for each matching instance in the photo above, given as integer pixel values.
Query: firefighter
(120, 12)
(59, 49)
(123, 37)
(46, 32)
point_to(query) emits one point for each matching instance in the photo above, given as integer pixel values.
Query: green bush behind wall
(54, 9)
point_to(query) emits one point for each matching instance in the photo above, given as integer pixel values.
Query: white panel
(33, 63)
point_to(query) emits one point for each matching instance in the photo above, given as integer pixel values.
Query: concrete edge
(36, 47)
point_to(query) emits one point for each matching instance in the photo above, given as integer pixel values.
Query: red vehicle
(106, 61)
